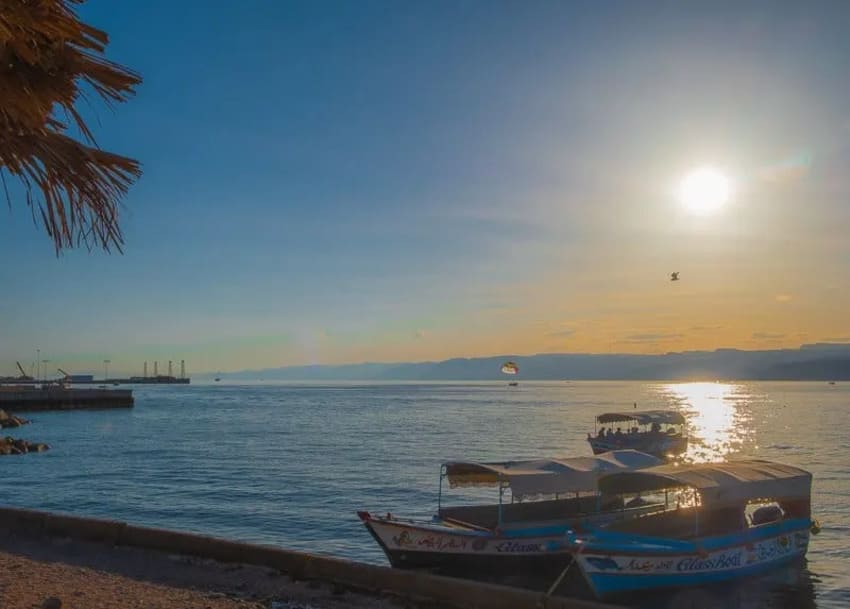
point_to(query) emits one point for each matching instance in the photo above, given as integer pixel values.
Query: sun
(704, 190)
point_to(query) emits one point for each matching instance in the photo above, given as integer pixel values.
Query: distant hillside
(826, 369)
(821, 361)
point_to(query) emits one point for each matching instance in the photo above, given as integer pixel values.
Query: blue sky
(334, 182)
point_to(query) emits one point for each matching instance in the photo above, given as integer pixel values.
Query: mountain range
(821, 361)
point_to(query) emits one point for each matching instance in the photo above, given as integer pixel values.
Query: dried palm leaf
(46, 55)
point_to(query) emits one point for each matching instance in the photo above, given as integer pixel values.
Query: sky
(338, 182)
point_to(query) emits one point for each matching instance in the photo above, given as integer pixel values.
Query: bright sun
(704, 190)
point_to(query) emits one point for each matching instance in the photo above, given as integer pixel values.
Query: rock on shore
(10, 420)
(13, 446)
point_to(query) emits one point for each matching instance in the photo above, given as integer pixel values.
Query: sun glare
(704, 190)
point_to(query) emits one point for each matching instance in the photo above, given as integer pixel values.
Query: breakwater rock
(13, 446)
(10, 420)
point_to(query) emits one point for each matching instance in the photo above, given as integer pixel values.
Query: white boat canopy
(643, 417)
(718, 483)
(547, 476)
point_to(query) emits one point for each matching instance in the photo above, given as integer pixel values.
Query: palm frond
(46, 55)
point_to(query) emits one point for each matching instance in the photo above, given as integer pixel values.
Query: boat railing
(464, 524)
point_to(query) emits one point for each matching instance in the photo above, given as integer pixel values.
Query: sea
(290, 464)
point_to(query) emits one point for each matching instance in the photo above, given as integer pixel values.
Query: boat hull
(536, 549)
(466, 552)
(612, 571)
(659, 446)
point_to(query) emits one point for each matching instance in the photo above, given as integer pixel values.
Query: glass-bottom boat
(540, 502)
(730, 520)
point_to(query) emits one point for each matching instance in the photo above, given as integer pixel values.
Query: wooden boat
(732, 520)
(539, 502)
(644, 432)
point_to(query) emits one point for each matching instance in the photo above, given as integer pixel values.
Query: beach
(84, 575)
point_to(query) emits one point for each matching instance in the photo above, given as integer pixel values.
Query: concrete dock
(31, 399)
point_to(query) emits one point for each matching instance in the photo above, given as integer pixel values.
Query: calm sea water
(290, 464)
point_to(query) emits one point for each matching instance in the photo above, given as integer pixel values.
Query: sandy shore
(91, 576)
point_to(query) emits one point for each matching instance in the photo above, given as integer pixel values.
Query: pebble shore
(68, 574)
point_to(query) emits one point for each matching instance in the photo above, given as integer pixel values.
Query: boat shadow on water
(791, 587)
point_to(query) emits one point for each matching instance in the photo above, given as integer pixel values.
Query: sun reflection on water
(718, 417)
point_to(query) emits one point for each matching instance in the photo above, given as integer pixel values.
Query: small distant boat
(523, 536)
(513, 384)
(217, 379)
(735, 519)
(832, 382)
(643, 432)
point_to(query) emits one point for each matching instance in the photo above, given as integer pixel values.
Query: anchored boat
(657, 432)
(729, 520)
(539, 503)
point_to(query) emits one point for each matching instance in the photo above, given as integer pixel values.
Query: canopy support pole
(696, 521)
(501, 493)
(440, 492)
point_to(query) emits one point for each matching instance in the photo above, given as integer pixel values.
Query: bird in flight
(674, 276)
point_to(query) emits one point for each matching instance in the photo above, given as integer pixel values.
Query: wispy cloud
(768, 336)
(562, 333)
(784, 298)
(652, 337)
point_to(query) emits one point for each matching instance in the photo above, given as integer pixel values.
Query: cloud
(420, 334)
(651, 337)
(767, 336)
(566, 332)
(784, 298)
(704, 328)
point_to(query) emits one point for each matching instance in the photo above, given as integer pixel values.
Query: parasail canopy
(510, 368)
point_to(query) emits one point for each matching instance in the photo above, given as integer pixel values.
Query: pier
(90, 380)
(61, 398)
(40, 376)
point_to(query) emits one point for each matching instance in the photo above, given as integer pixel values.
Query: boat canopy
(718, 483)
(547, 476)
(643, 417)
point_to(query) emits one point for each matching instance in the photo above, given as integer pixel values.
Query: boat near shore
(644, 432)
(729, 520)
(539, 503)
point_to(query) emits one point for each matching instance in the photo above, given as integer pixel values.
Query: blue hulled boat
(726, 521)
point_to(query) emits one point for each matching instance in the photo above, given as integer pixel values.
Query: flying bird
(674, 276)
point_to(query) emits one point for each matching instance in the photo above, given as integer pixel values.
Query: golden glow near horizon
(704, 190)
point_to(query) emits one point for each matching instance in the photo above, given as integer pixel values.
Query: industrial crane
(24, 376)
